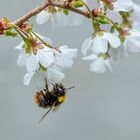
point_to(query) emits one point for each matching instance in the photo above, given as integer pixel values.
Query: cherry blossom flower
(121, 5)
(59, 17)
(135, 17)
(100, 62)
(118, 53)
(114, 7)
(99, 43)
(65, 58)
(49, 60)
(45, 16)
(132, 41)
(118, 5)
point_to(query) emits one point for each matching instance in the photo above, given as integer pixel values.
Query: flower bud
(77, 3)
(25, 27)
(96, 12)
(3, 25)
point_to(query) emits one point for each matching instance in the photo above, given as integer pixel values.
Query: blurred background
(101, 107)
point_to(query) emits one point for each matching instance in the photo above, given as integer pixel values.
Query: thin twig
(31, 14)
(38, 9)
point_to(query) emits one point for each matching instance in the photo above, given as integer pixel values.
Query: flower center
(35, 45)
(104, 56)
(3, 26)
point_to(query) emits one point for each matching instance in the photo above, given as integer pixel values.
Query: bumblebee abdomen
(39, 99)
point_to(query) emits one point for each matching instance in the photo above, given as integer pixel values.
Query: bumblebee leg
(51, 108)
(46, 84)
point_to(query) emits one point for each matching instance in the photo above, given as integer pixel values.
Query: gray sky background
(101, 107)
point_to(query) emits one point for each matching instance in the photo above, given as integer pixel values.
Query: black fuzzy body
(47, 99)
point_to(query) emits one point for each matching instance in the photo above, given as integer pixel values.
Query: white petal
(21, 61)
(113, 40)
(136, 12)
(136, 26)
(27, 78)
(134, 35)
(55, 74)
(133, 45)
(46, 39)
(107, 62)
(69, 52)
(46, 58)
(67, 20)
(39, 80)
(63, 61)
(118, 53)
(121, 5)
(133, 42)
(86, 45)
(19, 47)
(90, 57)
(42, 17)
(32, 64)
(100, 45)
(98, 66)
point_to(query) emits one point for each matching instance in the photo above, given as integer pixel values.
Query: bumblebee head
(59, 89)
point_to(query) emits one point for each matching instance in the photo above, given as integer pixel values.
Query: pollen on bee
(61, 99)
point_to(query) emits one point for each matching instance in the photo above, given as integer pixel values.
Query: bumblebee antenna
(47, 112)
(69, 88)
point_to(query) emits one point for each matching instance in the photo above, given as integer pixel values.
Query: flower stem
(45, 43)
(94, 23)
(19, 29)
(111, 21)
(41, 7)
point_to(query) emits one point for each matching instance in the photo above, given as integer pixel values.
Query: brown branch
(62, 5)
(31, 14)
(38, 9)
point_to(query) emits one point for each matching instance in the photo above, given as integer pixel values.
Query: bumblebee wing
(51, 108)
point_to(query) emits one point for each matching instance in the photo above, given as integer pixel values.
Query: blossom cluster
(123, 36)
(38, 58)
(104, 46)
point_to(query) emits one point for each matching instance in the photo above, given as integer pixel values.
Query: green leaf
(65, 11)
(77, 4)
(5, 19)
(102, 20)
(60, 9)
(10, 33)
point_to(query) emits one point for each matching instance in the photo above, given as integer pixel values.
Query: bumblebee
(51, 99)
